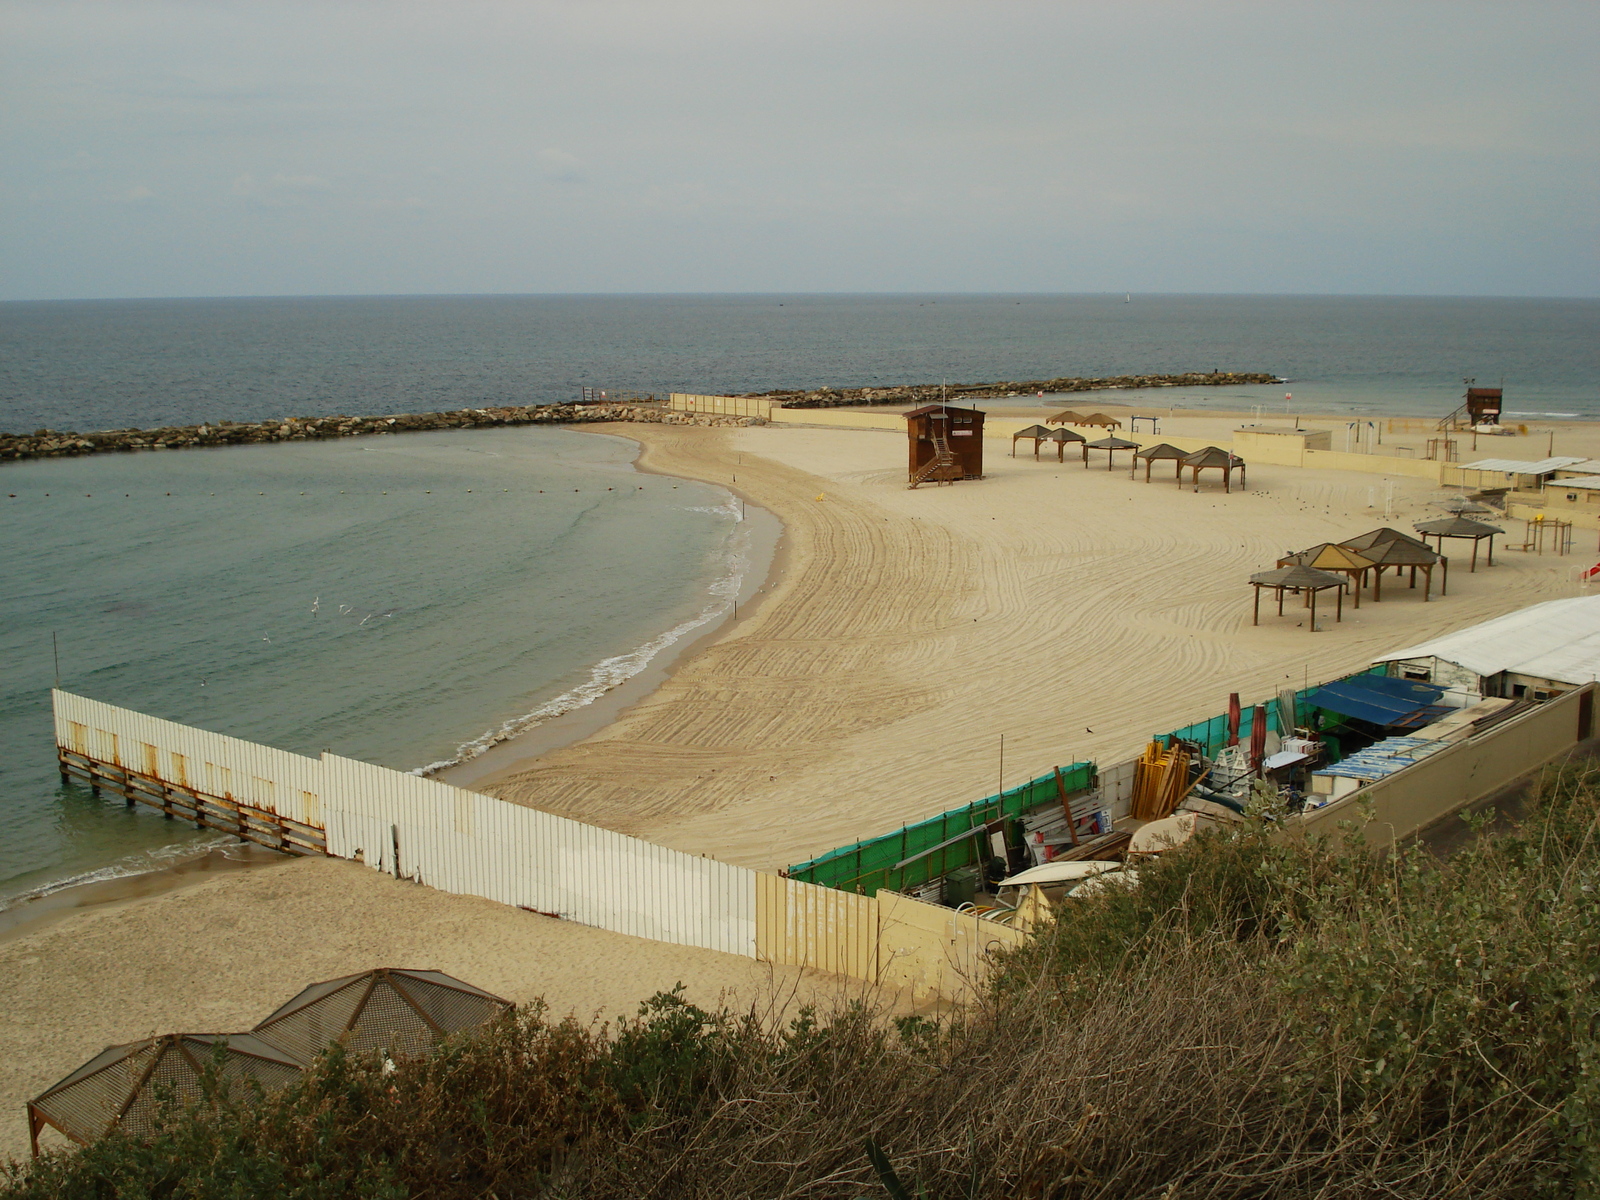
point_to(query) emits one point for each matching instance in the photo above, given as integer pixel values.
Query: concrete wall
(1446, 782)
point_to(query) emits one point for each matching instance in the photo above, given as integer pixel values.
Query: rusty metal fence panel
(289, 785)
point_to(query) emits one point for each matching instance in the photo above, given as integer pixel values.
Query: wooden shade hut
(1037, 432)
(1340, 560)
(1307, 581)
(946, 443)
(1067, 417)
(1110, 445)
(1101, 420)
(1460, 527)
(1213, 457)
(1061, 437)
(1151, 453)
(1401, 553)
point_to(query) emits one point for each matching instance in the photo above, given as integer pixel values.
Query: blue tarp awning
(1379, 699)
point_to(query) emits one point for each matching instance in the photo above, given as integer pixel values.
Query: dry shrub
(1260, 1018)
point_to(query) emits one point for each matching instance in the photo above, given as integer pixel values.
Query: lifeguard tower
(946, 443)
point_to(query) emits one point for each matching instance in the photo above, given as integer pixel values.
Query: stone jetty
(49, 443)
(924, 393)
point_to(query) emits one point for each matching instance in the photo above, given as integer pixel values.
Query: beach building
(1534, 653)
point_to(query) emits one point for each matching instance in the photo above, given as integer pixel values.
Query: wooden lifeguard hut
(946, 443)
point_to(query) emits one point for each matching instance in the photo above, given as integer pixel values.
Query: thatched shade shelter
(1100, 419)
(1061, 437)
(1340, 560)
(399, 1011)
(126, 1086)
(1065, 418)
(1300, 580)
(1365, 541)
(1401, 553)
(1460, 527)
(1214, 457)
(1110, 445)
(1151, 453)
(1037, 432)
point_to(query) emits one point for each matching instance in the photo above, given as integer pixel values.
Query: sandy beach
(1075, 612)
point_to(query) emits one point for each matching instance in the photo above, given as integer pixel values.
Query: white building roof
(1559, 640)
(1517, 466)
(1580, 481)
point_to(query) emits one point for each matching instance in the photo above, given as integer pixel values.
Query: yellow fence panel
(803, 925)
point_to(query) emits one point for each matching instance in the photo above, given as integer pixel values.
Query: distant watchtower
(946, 443)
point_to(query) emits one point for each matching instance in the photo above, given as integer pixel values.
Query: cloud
(139, 193)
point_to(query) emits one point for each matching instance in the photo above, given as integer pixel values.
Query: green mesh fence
(934, 847)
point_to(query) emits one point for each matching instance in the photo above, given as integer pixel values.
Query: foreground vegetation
(1261, 1018)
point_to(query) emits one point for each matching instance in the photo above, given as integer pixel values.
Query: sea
(413, 599)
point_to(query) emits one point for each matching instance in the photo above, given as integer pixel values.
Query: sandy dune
(1073, 611)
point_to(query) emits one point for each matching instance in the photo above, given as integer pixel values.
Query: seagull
(266, 639)
(344, 608)
(315, 604)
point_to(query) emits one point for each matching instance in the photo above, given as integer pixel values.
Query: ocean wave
(734, 558)
(1563, 416)
(142, 863)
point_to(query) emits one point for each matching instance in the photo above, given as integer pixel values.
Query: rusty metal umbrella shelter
(1460, 527)
(1061, 437)
(1340, 560)
(1151, 453)
(128, 1086)
(1037, 432)
(1110, 445)
(1299, 580)
(1214, 457)
(1400, 552)
(400, 1011)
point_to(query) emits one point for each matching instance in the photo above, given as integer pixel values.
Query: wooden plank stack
(1160, 779)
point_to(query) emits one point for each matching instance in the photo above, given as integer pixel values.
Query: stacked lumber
(1160, 779)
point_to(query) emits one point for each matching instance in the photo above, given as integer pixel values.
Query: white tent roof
(1559, 639)
(1517, 466)
(1590, 482)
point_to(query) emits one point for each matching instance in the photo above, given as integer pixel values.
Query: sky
(347, 148)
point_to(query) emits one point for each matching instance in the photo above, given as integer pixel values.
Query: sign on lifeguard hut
(945, 442)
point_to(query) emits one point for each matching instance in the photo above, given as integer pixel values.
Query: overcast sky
(263, 148)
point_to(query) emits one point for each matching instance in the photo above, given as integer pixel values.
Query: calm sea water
(389, 598)
(357, 596)
(111, 364)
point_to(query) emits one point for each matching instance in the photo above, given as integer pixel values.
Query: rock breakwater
(49, 443)
(930, 393)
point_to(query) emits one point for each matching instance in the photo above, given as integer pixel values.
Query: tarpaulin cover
(1376, 698)
(870, 865)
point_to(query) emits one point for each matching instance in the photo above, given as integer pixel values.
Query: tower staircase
(935, 467)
